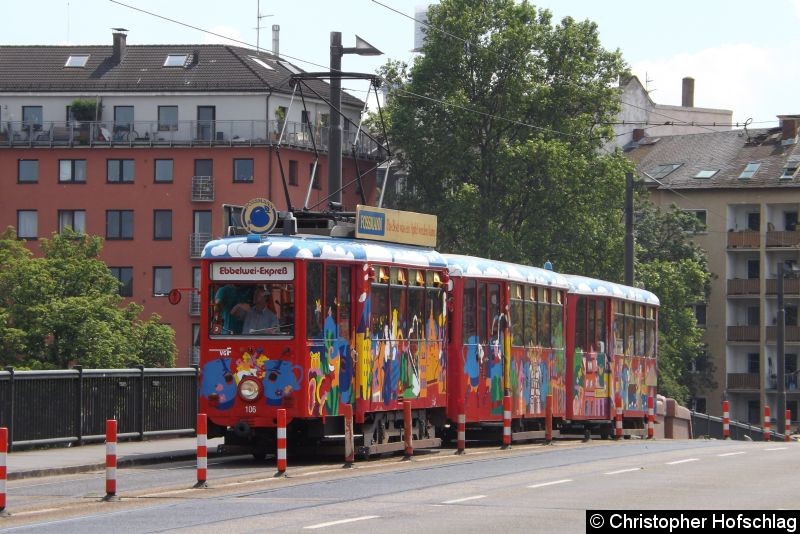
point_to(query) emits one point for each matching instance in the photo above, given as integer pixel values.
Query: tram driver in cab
(259, 318)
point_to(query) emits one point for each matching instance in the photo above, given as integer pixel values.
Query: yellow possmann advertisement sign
(396, 226)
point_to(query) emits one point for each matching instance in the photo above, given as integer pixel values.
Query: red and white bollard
(408, 429)
(202, 450)
(726, 420)
(461, 438)
(3, 468)
(349, 438)
(766, 424)
(548, 418)
(281, 441)
(788, 427)
(618, 428)
(506, 421)
(111, 460)
(651, 418)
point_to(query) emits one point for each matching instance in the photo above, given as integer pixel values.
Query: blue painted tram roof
(583, 285)
(483, 268)
(321, 247)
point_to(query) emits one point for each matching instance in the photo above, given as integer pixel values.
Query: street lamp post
(362, 48)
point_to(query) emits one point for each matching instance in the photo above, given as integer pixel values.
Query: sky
(740, 53)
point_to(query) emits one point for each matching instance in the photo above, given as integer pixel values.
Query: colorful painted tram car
(358, 322)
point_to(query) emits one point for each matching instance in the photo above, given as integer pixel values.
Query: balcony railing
(790, 333)
(202, 189)
(791, 286)
(747, 381)
(182, 133)
(780, 238)
(194, 303)
(743, 333)
(744, 239)
(743, 286)
(196, 244)
(790, 379)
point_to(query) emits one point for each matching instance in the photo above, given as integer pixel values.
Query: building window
(749, 170)
(162, 224)
(318, 178)
(176, 60)
(754, 221)
(700, 314)
(163, 172)
(75, 219)
(162, 281)
(123, 122)
(702, 216)
(28, 171)
(119, 224)
(32, 117)
(753, 269)
(120, 171)
(72, 171)
(77, 60)
(27, 224)
(706, 173)
(753, 316)
(661, 171)
(790, 169)
(292, 172)
(753, 363)
(243, 170)
(124, 276)
(790, 220)
(167, 118)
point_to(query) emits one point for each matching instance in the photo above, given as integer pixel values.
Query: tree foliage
(63, 309)
(498, 124)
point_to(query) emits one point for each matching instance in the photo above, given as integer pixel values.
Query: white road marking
(31, 512)
(463, 499)
(676, 462)
(341, 522)
(553, 483)
(624, 471)
(776, 449)
(731, 453)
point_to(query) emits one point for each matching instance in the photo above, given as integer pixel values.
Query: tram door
(590, 360)
(482, 335)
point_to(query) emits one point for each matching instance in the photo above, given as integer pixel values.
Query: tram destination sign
(258, 271)
(396, 226)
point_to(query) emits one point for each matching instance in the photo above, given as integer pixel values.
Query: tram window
(379, 312)
(580, 323)
(331, 303)
(517, 316)
(314, 315)
(433, 305)
(494, 310)
(557, 320)
(469, 309)
(530, 317)
(399, 300)
(345, 302)
(248, 309)
(543, 317)
(416, 308)
(629, 329)
(600, 328)
(482, 313)
(619, 327)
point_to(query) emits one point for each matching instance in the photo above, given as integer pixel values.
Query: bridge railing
(71, 406)
(709, 426)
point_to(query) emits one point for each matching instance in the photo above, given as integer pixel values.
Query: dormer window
(176, 60)
(77, 60)
(261, 62)
(790, 169)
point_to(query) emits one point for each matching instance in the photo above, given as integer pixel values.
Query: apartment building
(743, 185)
(153, 147)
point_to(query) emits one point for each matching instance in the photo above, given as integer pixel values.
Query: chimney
(687, 97)
(638, 134)
(276, 41)
(119, 44)
(788, 126)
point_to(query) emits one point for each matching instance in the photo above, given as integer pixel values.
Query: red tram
(309, 322)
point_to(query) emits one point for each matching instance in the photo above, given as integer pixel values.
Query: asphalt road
(529, 488)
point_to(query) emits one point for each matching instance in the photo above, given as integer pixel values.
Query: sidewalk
(79, 459)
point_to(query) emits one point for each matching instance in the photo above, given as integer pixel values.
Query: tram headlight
(249, 389)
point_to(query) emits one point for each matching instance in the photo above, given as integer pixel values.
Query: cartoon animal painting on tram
(331, 372)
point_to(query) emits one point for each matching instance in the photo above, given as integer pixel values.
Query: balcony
(182, 133)
(743, 381)
(790, 333)
(202, 189)
(782, 238)
(791, 286)
(743, 333)
(196, 244)
(790, 379)
(746, 239)
(743, 286)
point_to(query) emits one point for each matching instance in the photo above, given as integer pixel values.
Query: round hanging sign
(259, 216)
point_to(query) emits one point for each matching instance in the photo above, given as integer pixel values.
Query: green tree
(63, 309)
(675, 269)
(497, 126)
